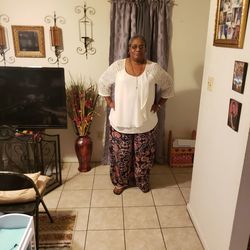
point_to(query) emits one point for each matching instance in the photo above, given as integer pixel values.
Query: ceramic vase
(83, 148)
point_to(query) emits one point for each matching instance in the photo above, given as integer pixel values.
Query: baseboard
(69, 159)
(197, 228)
(75, 160)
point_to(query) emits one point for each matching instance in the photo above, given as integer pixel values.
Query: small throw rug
(59, 234)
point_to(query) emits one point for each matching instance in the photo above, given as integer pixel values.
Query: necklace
(139, 72)
(140, 68)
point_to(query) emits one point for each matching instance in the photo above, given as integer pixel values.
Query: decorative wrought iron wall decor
(85, 31)
(4, 44)
(56, 39)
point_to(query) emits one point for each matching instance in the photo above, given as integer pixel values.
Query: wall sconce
(56, 40)
(85, 31)
(4, 42)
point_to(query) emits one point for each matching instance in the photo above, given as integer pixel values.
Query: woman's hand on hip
(110, 102)
(111, 105)
(155, 108)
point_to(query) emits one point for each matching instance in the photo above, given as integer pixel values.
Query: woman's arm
(110, 102)
(157, 106)
(108, 78)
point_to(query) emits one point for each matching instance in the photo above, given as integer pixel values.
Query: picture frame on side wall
(28, 41)
(234, 114)
(239, 76)
(230, 23)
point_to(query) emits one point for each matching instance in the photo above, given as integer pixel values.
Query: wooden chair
(20, 194)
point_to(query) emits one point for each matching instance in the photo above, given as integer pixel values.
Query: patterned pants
(131, 157)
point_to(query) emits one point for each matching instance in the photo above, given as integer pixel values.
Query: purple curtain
(150, 18)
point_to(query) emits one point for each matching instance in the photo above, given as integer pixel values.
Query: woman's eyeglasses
(135, 46)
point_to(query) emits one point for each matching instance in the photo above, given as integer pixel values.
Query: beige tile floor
(157, 220)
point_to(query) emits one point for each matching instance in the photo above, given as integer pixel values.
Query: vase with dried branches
(81, 97)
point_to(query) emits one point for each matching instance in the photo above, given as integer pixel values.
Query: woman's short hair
(137, 37)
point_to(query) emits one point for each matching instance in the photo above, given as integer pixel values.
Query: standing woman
(133, 114)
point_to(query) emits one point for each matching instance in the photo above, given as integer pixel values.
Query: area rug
(59, 234)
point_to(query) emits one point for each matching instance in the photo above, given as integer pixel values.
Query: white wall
(30, 12)
(186, 59)
(220, 151)
(190, 20)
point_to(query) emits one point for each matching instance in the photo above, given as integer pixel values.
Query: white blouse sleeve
(108, 78)
(164, 81)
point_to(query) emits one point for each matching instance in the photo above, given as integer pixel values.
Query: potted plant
(81, 97)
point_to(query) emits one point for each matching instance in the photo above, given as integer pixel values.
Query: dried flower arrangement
(81, 99)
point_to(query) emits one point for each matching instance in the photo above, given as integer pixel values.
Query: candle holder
(56, 39)
(85, 30)
(4, 45)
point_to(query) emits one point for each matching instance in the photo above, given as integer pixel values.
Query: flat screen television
(32, 97)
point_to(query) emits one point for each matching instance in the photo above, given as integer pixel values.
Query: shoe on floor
(119, 189)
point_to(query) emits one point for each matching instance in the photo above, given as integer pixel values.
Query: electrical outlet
(210, 83)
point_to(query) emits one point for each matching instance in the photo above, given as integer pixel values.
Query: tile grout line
(178, 186)
(91, 195)
(186, 206)
(158, 220)
(171, 173)
(124, 231)
(63, 186)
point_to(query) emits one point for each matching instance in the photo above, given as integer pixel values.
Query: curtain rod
(172, 2)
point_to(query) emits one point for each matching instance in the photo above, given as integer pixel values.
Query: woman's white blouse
(134, 95)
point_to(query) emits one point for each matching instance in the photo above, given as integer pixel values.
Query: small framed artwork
(234, 114)
(230, 23)
(239, 76)
(28, 41)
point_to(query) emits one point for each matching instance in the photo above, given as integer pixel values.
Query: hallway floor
(157, 220)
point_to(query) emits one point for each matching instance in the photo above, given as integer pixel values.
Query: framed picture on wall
(230, 23)
(234, 114)
(28, 41)
(239, 76)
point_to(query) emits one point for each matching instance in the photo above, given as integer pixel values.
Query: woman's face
(234, 109)
(137, 50)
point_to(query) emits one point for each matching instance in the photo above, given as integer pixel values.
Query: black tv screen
(32, 98)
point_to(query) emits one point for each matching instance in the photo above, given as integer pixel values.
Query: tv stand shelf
(29, 153)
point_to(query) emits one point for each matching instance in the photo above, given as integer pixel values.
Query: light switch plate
(210, 83)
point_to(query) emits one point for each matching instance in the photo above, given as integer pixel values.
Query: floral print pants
(131, 157)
